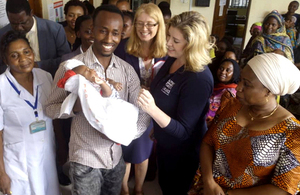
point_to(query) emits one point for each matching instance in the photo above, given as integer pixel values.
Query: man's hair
(295, 2)
(109, 8)
(17, 6)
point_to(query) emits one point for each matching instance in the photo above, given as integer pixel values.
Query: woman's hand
(147, 104)
(5, 183)
(146, 101)
(212, 188)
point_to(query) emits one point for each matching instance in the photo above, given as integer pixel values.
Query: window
(238, 3)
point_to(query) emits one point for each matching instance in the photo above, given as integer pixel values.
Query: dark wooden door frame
(246, 24)
(36, 6)
(218, 29)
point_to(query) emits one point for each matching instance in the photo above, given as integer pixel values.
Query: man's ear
(31, 13)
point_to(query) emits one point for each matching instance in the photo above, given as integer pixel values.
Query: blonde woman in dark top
(180, 100)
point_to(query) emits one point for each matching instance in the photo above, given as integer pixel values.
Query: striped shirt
(88, 146)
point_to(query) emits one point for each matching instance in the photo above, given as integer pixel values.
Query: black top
(131, 59)
(184, 96)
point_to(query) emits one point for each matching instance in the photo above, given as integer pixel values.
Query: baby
(92, 76)
(291, 30)
(105, 111)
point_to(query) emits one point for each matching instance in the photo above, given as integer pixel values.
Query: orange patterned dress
(245, 158)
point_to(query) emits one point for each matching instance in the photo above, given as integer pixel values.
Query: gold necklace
(71, 33)
(263, 117)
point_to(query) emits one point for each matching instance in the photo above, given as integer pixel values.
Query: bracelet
(227, 192)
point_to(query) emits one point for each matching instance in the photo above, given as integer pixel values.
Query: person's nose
(22, 57)
(145, 27)
(92, 35)
(19, 28)
(108, 38)
(269, 26)
(169, 42)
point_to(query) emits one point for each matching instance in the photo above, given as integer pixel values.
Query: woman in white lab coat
(27, 158)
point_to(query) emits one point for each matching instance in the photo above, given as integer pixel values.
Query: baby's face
(289, 23)
(89, 74)
(256, 32)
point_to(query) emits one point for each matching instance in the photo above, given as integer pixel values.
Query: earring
(267, 99)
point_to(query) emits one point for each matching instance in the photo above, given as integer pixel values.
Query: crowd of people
(113, 92)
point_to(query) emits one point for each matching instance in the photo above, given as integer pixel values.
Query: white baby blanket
(115, 118)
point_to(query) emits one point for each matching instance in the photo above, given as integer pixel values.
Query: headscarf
(276, 73)
(258, 27)
(266, 43)
(257, 23)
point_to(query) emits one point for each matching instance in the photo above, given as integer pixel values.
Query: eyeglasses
(148, 25)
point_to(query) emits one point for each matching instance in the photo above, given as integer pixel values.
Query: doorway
(36, 6)
(136, 3)
(230, 19)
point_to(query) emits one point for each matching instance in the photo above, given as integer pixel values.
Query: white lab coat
(29, 159)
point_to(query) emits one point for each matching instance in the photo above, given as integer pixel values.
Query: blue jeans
(89, 181)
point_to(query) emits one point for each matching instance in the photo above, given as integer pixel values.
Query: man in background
(47, 38)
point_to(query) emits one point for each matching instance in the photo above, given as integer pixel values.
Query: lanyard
(36, 98)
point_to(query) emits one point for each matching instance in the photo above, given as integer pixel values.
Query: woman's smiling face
(225, 72)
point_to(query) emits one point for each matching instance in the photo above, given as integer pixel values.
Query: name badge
(37, 126)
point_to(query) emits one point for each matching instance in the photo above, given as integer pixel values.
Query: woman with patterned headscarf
(253, 143)
(274, 37)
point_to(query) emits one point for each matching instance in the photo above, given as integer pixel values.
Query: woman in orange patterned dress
(253, 144)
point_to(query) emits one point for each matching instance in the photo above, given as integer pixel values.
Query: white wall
(47, 2)
(178, 6)
(97, 3)
(45, 6)
(260, 8)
